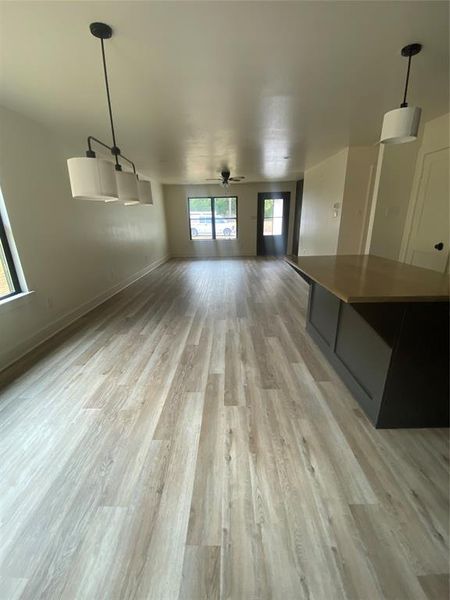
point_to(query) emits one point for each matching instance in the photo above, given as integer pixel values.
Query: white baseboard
(51, 329)
(214, 256)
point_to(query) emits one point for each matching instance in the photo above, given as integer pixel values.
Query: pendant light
(93, 178)
(145, 192)
(127, 187)
(401, 124)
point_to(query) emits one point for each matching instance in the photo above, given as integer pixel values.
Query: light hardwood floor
(187, 440)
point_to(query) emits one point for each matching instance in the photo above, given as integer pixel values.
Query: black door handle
(439, 246)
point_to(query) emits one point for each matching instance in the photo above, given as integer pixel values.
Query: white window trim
(13, 248)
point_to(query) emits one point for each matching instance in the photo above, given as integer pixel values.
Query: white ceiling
(200, 85)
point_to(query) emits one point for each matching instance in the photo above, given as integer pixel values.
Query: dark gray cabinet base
(394, 357)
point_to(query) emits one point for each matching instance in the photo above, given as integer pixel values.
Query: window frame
(212, 200)
(9, 262)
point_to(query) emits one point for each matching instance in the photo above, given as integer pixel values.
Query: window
(9, 282)
(213, 218)
(200, 217)
(273, 216)
(225, 216)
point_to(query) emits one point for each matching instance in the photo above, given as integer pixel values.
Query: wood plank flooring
(186, 440)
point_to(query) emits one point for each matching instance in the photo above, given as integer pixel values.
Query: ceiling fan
(225, 178)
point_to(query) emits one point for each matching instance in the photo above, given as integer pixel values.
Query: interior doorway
(297, 216)
(429, 236)
(272, 224)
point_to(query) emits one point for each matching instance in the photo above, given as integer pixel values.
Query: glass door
(273, 217)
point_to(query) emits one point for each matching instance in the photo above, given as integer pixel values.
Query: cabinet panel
(323, 313)
(365, 353)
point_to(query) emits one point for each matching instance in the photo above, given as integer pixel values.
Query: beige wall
(359, 181)
(178, 223)
(74, 254)
(396, 173)
(323, 188)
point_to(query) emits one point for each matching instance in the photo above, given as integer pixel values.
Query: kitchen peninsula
(384, 326)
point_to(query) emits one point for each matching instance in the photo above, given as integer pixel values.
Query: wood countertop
(367, 278)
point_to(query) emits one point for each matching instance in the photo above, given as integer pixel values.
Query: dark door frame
(297, 216)
(260, 246)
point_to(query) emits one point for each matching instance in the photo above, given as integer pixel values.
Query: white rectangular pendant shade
(127, 187)
(145, 192)
(92, 179)
(401, 125)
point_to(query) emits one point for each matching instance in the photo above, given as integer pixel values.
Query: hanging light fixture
(145, 192)
(93, 178)
(401, 124)
(127, 187)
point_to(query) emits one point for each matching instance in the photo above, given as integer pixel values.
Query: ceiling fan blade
(236, 178)
(215, 179)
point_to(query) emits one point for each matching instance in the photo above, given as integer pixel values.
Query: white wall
(323, 187)
(74, 254)
(181, 245)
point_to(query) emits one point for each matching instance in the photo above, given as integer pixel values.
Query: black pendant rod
(90, 153)
(108, 95)
(128, 161)
(104, 32)
(410, 50)
(404, 103)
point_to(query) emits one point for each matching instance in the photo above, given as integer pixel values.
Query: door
(430, 234)
(273, 220)
(426, 236)
(297, 217)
